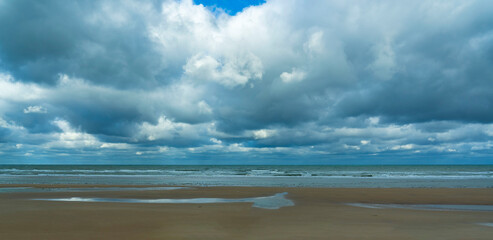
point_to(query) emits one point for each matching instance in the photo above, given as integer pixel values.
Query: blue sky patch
(229, 6)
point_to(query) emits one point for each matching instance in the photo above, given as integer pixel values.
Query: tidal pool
(275, 201)
(434, 207)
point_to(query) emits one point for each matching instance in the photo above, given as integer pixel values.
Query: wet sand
(318, 213)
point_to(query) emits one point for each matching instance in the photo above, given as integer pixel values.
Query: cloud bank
(278, 83)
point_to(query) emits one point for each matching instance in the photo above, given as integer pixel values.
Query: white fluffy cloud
(10, 125)
(35, 109)
(233, 72)
(72, 138)
(294, 76)
(263, 133)
(18, 91)
(166, 129)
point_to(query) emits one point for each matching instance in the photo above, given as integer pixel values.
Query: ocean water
(457, 176)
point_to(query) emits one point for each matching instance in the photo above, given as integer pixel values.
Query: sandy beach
(318, 213)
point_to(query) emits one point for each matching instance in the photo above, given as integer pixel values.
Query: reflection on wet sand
(275, 201)
(433, 207)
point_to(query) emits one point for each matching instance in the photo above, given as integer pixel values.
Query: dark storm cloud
(464, 98)
(103, 42)
(35, 122)
(440, 74)
(265, 109)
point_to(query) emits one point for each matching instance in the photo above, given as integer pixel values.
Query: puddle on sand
(433, 207)
(275, 201)
(490, 224)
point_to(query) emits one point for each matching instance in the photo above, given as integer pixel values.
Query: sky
(246, 82)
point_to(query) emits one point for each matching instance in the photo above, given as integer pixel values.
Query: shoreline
(317, 213)
(256, 181)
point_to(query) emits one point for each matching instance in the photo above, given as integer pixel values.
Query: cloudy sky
(248, 82)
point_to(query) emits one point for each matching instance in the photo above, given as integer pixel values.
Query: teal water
(294, 176)
(440, 171)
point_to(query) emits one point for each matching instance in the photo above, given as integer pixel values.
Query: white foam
(364, 205)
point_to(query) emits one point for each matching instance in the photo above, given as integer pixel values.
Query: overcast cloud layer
(279, 83)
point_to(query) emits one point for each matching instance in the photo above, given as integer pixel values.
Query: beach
(316, 213)
(251, 119)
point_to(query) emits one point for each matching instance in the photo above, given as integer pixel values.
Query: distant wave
(256, 171)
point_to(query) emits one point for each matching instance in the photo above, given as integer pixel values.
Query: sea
(400, 176)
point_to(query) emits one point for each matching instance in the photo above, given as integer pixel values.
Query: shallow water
(252, 181)
(433, 207)
(270, 202)
(92, 189)
(486, 224)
